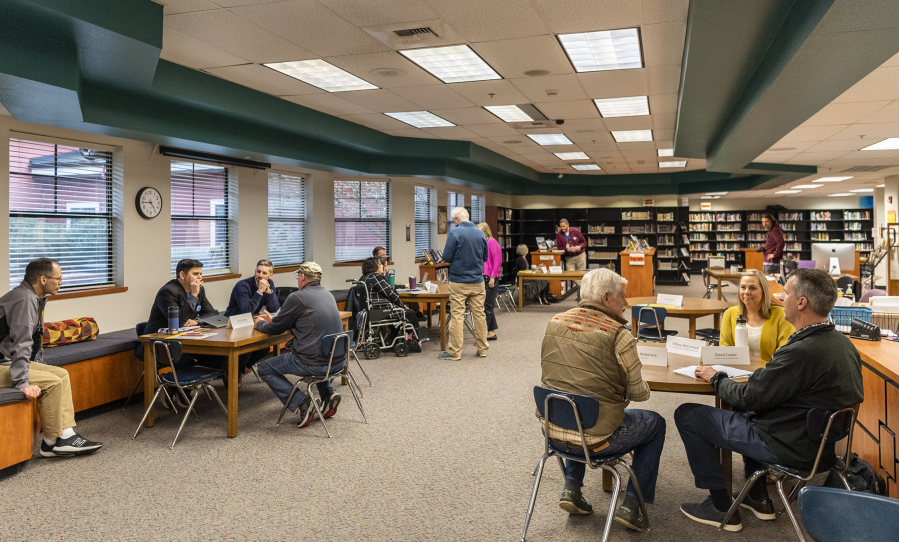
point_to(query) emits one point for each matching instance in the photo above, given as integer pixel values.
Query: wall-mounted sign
(637, 259)
(685, 202)
(648, 202)
(705, 206)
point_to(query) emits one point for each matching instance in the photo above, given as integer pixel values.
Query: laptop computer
(216, 321)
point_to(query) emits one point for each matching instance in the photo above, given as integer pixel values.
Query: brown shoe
(763, 510)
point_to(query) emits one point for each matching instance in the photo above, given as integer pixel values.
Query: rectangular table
(524, 275)
(441, 297)
(228, 343)
(691, 308)
(721, 276)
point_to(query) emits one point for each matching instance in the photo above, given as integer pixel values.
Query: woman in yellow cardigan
(768, 330)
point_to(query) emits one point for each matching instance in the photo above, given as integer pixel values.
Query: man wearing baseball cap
(310, 314)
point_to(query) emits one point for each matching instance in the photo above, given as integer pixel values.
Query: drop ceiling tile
(664, 79)
(615, 83)
(775, 157)
(591, 139)
(531, 152)
(795, 146)
(362, 65)
(3, 111)
(511, 58)
(228, 32)
(582, 125)
(567, 16)
(810, 133)
(881, 84)
(663, 44)
(546, 159)
(484, 142)
(330, 103)
(844, 113)
(466, 116)
(629, 123)
(236, 3)
(664, 133)
(410, 132)
(367, 13)
(521, 142)
(606, 155)
(377, 121)
(576, 109)
(871, 132)
(566, 87)
(599, 146)
(263, 79)
(496, 129)
(640, 153)
(814, 158)
(663, 104)
(478, 20)
(894, 61)
(845, 145)
(435, 97)
(452, 132)
(185, 50)
(636, 145)
(382, 101)
(663, 11)
(478, 92)
(890, 113)
(186, 6)
(663, 122)
(323, 32)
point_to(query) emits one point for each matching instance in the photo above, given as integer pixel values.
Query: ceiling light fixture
(420, 119)
(572, 155)
(623, 107)
(322, 74)
(788, 191)
(709, 197)
(666, 152)
(880, 185)
(586, 167)
(629, 136)
(715, 193)
(516, 113)
(808, 186)
(843, 194)
(888, 144)
(603, 50)
(453, 64)
(831, 179)
(862, 190)
(550, 139)
(674, 163)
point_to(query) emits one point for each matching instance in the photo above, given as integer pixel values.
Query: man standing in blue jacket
(466, 252)
(251, 295)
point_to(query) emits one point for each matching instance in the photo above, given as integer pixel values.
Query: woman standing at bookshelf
(492, 273)
(774, 244)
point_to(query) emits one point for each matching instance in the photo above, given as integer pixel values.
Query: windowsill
(285, 269)
(86, 293)
(353, 264)
(214, 278)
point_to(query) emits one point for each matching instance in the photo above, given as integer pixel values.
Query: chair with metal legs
(836, 515)
(336, 345)
(821, 425)
(192, 379)
(504, 293)
(576, 413)
(649, 322)
(709, 287)
(360, 323)
(141, 329)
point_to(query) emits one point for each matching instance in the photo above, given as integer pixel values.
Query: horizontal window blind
(60, 207)
(201, 200)
(362, 218)
(477, 208)
(453, 200)
(424, 219)
(286, 219)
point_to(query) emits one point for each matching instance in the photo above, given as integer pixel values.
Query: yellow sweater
(775, 331)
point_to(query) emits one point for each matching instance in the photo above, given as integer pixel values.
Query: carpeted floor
(448, 455)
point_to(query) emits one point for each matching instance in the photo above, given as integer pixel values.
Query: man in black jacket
(817, 368)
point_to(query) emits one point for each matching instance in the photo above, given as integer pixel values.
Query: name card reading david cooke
(652, 355)
(730, 355)
(685, 347)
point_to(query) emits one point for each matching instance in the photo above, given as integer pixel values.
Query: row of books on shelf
(611, 265)
(636, 244)
(854, 226)
(545, 244)
(666, 240)
(857, 215)
(504, 229)
(504, 214)
(762, 236)
(645, 229)
(759, 227)
(432, 255)
(704, 256)
(716, 217)
(823, 237)
(637, 215)
(790, 216)
(731, 237)
(600, 229)
(667, 228)
(672, 265)
(856, 237)
(822, 215)
(601, 255)
(665, 217)
(792, 246)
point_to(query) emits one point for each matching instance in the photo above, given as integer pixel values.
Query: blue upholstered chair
(839, 515)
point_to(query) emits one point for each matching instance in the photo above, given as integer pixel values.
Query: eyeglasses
(59, 278)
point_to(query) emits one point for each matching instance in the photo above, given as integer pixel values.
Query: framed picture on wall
(441, 219)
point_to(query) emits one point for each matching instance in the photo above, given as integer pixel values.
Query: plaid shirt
(380, 289)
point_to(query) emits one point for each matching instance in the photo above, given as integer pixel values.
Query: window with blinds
(286, 219)
(477, 208)
(361, 219)
(60, 207)
(425, 219)
(201, 206)
(453, 200)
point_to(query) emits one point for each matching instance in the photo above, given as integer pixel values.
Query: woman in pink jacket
(493, 270)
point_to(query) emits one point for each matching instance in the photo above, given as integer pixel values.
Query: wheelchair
(381, 325)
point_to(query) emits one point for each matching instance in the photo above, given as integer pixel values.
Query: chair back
(141, 329)
(830, 515)
(568, 411)
(830, 427)
(167, 352)
(336, 346)
(652, 317)
(844, 282)
(283, 292)
(866, 297)
(705, 276)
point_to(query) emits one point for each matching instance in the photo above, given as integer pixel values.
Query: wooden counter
(547, 258)
(639, 277)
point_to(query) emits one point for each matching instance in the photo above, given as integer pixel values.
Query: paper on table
(731, 372)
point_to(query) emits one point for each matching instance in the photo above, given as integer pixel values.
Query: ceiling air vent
(534, 124)
(409, 32)
(415, 34)
(865, 169)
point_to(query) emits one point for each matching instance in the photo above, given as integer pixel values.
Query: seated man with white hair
(588, 351)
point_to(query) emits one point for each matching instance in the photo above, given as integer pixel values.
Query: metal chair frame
(370, 332)
(780, 472)
(609, 464)
(663, 335)
(162, 351)
(311, 380)
(709, 288)
(504, 294)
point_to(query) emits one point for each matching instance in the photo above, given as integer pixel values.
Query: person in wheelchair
(385, 306)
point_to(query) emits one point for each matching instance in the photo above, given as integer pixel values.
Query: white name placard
(731, 355)
(555, 269)
(685, 347)
(431, 287)
(240, 320)
(636, 259)
(651, 355)
(669, 299)
(550, 258)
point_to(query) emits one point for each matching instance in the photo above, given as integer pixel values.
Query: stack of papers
(731, 372)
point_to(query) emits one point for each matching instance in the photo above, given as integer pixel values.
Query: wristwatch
(716, 377)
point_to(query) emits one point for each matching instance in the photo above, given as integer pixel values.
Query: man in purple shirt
(774, 244)
(572, 241)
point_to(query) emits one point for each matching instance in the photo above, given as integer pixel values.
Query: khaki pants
(576, 263)
(475, 295)
(54, 404)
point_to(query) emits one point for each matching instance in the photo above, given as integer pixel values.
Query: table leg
(725, 456)
(719, 289)
(717, 317)
(692, 326)
(428, 308)
(443, 326)
(149, 381)
(520, 293)
(608, 483)
(232, 393)
(633, 327)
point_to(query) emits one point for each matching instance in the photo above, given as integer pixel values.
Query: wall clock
(148, 202)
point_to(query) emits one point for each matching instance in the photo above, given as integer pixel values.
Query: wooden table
(722, 275)
(564, 275)
(441, 297)
(228, 343)
(691, 308)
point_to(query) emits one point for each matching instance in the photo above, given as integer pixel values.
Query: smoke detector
(388, 72)
(537, 73)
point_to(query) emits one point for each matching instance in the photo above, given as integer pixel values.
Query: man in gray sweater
(310, 314)
(21, 354)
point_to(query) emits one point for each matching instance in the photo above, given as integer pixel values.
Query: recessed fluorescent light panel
(454, 64)
(674, 163)
(788, 191)
(881, 185)
(836, 195)
(709, 197)
(830, 179)
(623, 107)
(420, 119)
(666, 152)
(603, 50)
(807, 186)
(586, 167)
(715, 193)
(516, 113)
(550, 139)
(629, 136)
(862, 190)
(572, 155)
(885, 145)
(321, 74)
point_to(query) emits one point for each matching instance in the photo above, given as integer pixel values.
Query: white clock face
(149, 202)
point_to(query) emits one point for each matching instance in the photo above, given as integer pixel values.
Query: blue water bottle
(173, 319)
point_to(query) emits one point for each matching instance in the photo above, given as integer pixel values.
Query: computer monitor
(843, 252)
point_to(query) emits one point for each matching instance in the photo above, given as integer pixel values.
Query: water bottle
(741, 333)
(173, 318)
(391, 278)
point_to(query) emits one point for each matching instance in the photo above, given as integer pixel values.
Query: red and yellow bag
(70, 331)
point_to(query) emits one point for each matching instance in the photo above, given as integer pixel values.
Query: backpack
(861, 476)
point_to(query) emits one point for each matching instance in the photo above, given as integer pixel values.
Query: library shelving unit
(717, 234)
(672, 246)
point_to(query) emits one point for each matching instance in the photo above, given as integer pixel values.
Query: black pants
(490, 304)
(250, 358)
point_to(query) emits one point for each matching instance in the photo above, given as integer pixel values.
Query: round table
(691, 308)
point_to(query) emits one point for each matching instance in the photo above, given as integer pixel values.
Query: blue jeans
(704, 429)
(642, 431)
(272, 371)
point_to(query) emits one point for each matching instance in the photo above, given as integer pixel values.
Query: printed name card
(431, 287)
(731, 355)
(240, 320)
(651, 355)
(636, 259)
(685, 347)
(555, 269)
(550, 258)
(669, 299)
